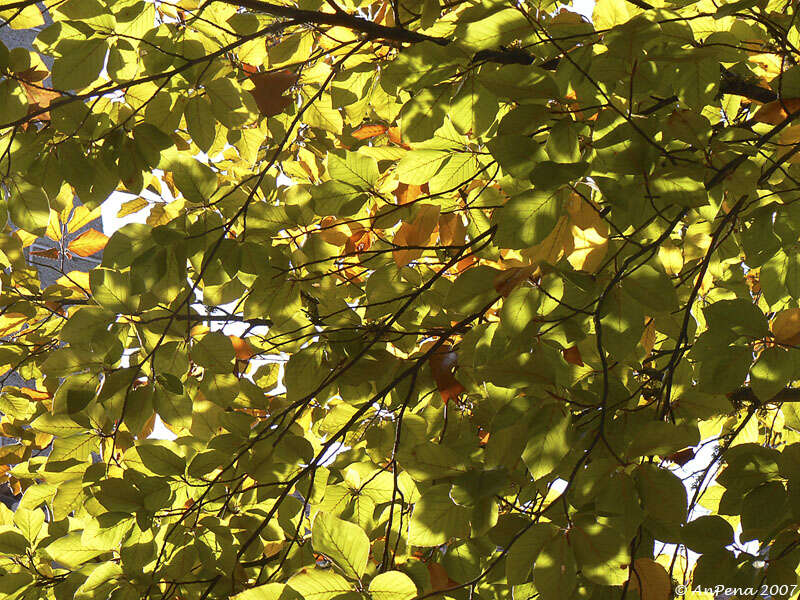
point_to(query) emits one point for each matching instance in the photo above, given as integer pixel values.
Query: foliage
(436, 297)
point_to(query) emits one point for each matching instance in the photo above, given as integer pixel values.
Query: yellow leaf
(161, 213)
(671, 258)
(557, 243)
(649, 335)
(590, 249)
(26, 238)
(26, 18)
(88, 243)
(82, 216)
(786, 327)
(131, 206)
(53, 226)
(332, 232)
(12, 322)
(582, 212)
(769, 63)
(76, 280)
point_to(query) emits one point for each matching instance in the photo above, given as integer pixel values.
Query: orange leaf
(465, 263)
(786, 327)
(573, 356)
(394, 136)
(358, 242)
(39, 98)
(34, 394)
(244, 351)
(505, 281)
(452, 230)
(776, 111)
(368, 131)
(269, 89)
(483, 437)
(49, 253)
(406, 193)
(416, 233)
(88, 243)
(440, 580)
(442, 362)
(651, 580)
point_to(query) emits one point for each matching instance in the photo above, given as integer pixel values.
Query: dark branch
(735, 85)
(338, 19)
(745, 396)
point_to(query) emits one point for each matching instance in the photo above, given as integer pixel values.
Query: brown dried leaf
(269, 89)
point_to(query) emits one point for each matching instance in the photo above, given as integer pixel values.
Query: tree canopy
(440, 298)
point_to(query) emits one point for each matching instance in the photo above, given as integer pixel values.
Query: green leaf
(60, 425)
(660, 438)
(736, 318)
(160, 457)
(344, 543)
(72, 551)
(562, 143)
(113, 291)
(601, 551)
(392, 585)
(28, 207)
(493, 30)
(516, 154)
(471, 291)
(554, 571)
(548, 442)
(351, 168)
(214, 352)
(772, 372)
(522, 555)
(663, 496)
(764, 509)
(652, 289)
(200, 122)
(195, 180)
(79, 64)
(12, 542)
(679, 190)
(708, 533)
(318, 584)
(268, 591)
(13, 102)
(103, 573)
(436, 518)
(419, 166)
(526, 219)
